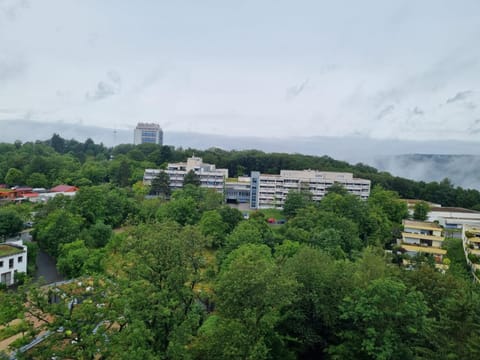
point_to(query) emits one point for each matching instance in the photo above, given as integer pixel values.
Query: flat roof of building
(8, 250)
(421, 225)
(454, 209)
(412, 202)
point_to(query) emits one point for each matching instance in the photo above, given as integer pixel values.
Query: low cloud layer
(317, 69)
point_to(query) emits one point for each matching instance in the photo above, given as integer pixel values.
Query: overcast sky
(380, 69)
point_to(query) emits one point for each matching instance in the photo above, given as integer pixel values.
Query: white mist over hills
(418, 160)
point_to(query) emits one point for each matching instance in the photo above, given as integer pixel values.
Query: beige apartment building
(210, 177)
(270, 191)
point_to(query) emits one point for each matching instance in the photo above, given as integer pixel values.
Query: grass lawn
(273, 213)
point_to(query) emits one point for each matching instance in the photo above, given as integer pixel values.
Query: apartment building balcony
(423, 249)
(420, 236)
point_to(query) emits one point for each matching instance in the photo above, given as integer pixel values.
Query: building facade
(270, 191)
(13, 259)
(238, 190)
(454, 217)
(210, 177)
(148, 133)
(422, 237)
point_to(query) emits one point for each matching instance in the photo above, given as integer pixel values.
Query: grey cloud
(106, 89)
(418, 111)
(92, 39)
(114, 77)
(433, 79)
(296, 90)
(11, 68)
(475, 127)
(8, 111)
(102, 91)
(385, 111)
(470, 105)
(462, 95)
(10, 8)
(149, 80)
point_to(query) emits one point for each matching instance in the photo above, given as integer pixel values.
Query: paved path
(4, 344)
(46, 268)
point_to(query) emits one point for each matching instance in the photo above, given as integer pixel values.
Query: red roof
(23, 189)
(64, 188)
(30, 195)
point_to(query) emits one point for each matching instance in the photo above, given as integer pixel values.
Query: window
(1, 264)
(20, 259)
(10, 263)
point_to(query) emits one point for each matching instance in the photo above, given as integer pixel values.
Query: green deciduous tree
(10, 223)
(160, 264)
(123, 173)
(421, 210)
(212, 225)
(295, 201)
(14, 177)
(183, 211)
(230, 216)
(76, 259)
(385, 320)
(191, 179)
(98, 235)
(37, 180)
(389, 201)
(311, 320)
(161, 185)
(251, 292)
(58, 228)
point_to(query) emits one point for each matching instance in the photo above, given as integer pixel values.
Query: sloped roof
(64, 188)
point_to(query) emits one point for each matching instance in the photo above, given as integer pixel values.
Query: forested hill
(190, 278)
(57, 160)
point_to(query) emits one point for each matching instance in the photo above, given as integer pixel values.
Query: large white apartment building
(270, 191)
(210, 177)
(238, 190)
(13, 259)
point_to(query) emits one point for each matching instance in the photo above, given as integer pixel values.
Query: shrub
(474, 258)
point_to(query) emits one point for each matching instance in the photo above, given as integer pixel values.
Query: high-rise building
(148, 133)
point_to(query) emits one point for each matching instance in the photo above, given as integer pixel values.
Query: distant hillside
(462, 170)
(384, 154)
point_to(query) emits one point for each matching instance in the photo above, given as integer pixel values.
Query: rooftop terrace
(7, 250)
